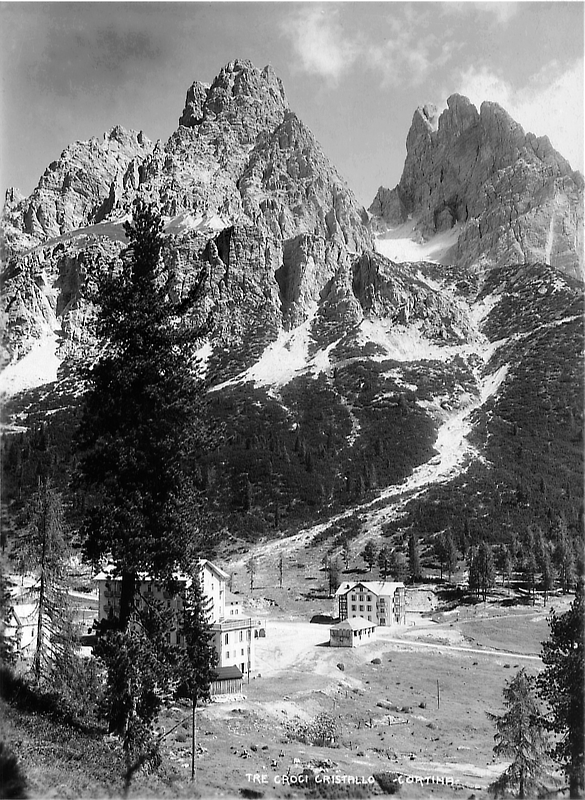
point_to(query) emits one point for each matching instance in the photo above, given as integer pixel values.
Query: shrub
(322, 730)
(12, 781)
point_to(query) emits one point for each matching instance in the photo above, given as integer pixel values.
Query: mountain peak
(459, 116)
(513, 198)
(241, 93)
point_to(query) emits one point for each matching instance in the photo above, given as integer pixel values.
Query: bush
(387, 781)
(322, 730)
(12, 781)
(71, 706)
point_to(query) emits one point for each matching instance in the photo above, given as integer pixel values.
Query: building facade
(234, 634)
(380, 602)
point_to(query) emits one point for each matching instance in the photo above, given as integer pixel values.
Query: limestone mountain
(240, 159)
(74, 191)
(512, 197)
(385, 394)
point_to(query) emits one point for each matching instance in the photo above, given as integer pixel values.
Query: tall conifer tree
(142, 430)
(142, 423)
(561, 685)
(520, 736)
(414, 558)
(41, 549)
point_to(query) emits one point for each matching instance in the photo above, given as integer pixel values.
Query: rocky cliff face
(514, 197)
(76, 190)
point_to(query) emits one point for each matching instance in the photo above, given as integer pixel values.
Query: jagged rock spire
(515, 198)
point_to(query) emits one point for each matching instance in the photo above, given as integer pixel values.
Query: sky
(354, 72)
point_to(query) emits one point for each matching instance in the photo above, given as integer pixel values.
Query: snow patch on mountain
(202, 359)
(37, 368)
(396, 375)
(281, 361)
(406, 342)
(452, 445)
(399, 246)
(191, 222)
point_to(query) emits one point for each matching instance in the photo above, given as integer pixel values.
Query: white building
(380, 602)
(352, 632)
(234, 633)
(21, 627)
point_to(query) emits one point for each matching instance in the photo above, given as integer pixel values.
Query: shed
(352, 632)
(227, 680)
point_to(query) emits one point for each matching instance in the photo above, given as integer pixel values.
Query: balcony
(237, 624)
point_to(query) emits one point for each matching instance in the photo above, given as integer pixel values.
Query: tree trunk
(575, 777)
(127, 593)
(41, 610)
(40, 633)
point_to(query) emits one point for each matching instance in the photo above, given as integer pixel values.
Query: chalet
(227, 680)
(352, 632)
(380, 602)
(20, 627)
(234, 633)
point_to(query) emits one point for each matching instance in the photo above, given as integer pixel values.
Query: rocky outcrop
(74, 191)
(45, 292)
(515, 198)
(291, 185)
(193, 112)
(401, 297)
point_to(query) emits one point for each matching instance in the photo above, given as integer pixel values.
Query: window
(361, 598)
(227, 638)
(353, 597)
(241, 635)
(227, 655)
(370, 620)
(369, 598)
(369, 609)
(361, 608)
(353, 608)
(249, 634)
(382, 620)
(242, 651)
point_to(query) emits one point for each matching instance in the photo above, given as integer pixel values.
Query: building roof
(353, 624)
(107, 573)
(376, 587)
(203, 562)
(226, 673)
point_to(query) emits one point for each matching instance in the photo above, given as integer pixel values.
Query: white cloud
(320, 43)
(551, 105)
(400, 57)
(501, 13)
(325, 48)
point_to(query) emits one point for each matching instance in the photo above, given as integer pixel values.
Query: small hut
(227, 680)
(352, 632)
